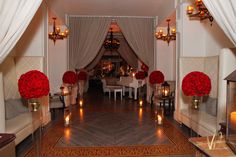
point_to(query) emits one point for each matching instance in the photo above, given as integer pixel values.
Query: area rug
(179, 145)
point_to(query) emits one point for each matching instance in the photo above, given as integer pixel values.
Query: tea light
(141, 103)
(67, 120)
(81, 103)
(159, 119)
(233, 119)
(133, 74)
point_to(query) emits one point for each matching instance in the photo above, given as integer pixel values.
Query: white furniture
(131, 83)
(105, 88)
(118, 90)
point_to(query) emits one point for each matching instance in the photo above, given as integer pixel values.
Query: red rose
(140, 75)
(82, 75)
(156, 77)
(196, 84)
(144, 67)
(69, 77)
(33, 84)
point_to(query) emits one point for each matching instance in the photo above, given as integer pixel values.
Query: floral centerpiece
(140, 75)
(82, 75)
(33, 84)
(156, 77)
(69, 77)
(70, 80)
(196, 84)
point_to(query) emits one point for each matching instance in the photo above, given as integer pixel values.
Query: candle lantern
(165, 89)
(231, 111)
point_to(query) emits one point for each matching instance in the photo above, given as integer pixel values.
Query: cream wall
(57, 61)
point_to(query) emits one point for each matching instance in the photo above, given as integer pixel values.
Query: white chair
(118, 89)
(105, 88)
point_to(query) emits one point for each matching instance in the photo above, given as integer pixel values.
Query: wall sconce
(165, 89)
(56, 33)
(166, 37)
(201, 13)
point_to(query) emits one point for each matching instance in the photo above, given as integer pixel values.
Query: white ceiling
(160, 8)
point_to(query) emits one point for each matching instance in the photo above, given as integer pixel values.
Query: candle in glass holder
(233, 119)
(141, 103)
(67, 120)
(159, 119)
(81, 103)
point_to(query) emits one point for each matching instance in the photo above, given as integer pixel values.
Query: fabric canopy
(224, 13)
(86, 38)
(15, 16)
(139, 34)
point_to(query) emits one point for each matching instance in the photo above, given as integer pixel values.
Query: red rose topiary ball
(33, 84)
(140, 75)
(82, 75)
(156, 77)
(196, 84)
(69, 77)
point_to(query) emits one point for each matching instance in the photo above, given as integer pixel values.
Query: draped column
(224, 13)
(87, 35)
(15, 16)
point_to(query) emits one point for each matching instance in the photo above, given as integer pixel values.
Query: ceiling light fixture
(201, 13)
(166, 37)
(111, 43)
(56, 34)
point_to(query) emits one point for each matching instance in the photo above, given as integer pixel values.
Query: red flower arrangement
(156, 77)
(144, 67)
(140, 75)
(33, 84)
(69, 77)
(196, 84)
(82, 75)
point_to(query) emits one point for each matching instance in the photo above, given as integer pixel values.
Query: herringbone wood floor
(104, 127)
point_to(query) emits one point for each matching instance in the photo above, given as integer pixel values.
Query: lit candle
(173, 30)
(189, 9)
(166, 92)
(160, 32)
(159, 120)
(198, 2)
(133, 74)
(67, 120)
(233, 119)
(141, 103)
(81, 103)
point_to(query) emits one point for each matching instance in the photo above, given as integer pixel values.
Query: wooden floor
(103, 122)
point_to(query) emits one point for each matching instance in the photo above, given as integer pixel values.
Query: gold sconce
(171, 35)
(201, 13)
(57, 34)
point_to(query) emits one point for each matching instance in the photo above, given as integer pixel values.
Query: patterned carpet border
(179, 146)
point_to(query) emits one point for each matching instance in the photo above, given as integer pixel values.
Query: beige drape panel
(139, 34)
(224, 12)
(15, 16)
(96, 60)
(86, 38)
(127, 53)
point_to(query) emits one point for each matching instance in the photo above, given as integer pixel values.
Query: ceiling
(160, 8)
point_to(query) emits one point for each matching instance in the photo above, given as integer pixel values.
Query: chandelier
(56, 34)
(202, 13)
(166, 37)
(111, 43)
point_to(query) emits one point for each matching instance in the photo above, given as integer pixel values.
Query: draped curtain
(96, 59)
(15, 16)
(127, 53)
(139, 34)
(86, 38)
(224, 13)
